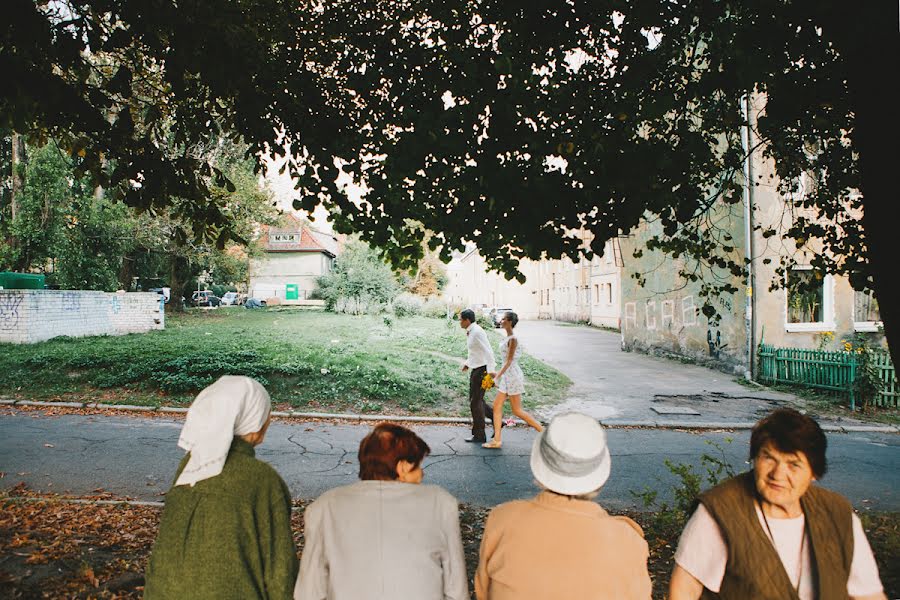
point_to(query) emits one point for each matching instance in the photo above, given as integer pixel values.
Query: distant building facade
(664, 315)
(588, 291)
(293, 256)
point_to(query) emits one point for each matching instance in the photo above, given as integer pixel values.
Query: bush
(408, 305)
(359, 283)
(482, 320)
(435, 308)
(673, 517)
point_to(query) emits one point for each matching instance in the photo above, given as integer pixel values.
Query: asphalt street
(137, 457)
(611, 385)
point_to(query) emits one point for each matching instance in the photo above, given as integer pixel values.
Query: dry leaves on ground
(56, 549)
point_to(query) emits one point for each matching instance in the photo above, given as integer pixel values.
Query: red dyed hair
(387, 445)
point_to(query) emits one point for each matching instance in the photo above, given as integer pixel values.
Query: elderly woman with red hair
(386, 536)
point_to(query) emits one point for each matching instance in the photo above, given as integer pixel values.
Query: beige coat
(553, 546)
(383, 540)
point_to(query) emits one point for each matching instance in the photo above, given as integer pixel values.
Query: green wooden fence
(831, 371)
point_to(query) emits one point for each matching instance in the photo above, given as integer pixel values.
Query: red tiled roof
(308, 241)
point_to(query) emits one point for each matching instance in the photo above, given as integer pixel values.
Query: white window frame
(828, 320)
(864, 326)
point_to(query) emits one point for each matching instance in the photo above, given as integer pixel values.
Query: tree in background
(81, 239)
(429, 278)
(359, 283)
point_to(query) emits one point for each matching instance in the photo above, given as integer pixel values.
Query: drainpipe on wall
(748, 240)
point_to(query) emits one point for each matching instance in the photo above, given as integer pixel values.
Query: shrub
(673, 517)
(436, 308)
(408, 305)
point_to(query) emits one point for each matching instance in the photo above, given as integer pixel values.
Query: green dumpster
(21, 281)
(291, 291)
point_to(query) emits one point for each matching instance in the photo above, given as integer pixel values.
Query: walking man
(480, 360)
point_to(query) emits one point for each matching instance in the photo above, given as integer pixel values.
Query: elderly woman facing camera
(386, 536)
(226, 528)
(562, 544)
(771, 533)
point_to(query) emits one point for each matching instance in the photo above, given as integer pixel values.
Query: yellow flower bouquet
(487, 382)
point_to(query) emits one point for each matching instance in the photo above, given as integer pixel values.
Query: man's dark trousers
(477, 404)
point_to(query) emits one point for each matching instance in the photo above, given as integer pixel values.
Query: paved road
(137, 457)
(610, 384)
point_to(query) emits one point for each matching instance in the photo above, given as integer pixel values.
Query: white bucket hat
(570, 456)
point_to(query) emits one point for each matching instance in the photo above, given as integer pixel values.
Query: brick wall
(28, 316)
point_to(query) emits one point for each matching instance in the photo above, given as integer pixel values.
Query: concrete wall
(269, 275)
(28, 316)
(664, 315)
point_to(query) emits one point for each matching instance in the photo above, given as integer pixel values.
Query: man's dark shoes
(475, 440)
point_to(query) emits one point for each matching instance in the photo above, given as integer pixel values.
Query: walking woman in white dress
(510, 382)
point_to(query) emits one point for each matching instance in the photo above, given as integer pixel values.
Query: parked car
(165, 292)
(205, 298)
(254, 303)
(496, 315)
(231, 299)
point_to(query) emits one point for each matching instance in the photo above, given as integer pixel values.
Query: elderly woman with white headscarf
(226, 529)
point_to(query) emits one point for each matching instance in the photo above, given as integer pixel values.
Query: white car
(496, 315)
(229, 298)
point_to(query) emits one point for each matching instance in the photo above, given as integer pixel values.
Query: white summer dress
(513, 380)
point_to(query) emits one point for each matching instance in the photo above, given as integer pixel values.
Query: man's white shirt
(480, 353)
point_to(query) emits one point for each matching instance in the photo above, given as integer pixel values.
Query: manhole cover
(674, 410)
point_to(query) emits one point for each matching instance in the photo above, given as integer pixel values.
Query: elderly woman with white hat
(562, 544)
(226, 528)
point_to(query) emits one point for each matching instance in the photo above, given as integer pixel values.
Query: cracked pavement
(137, 457)
(611, 385)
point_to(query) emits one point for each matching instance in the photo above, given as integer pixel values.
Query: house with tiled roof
(293, 256)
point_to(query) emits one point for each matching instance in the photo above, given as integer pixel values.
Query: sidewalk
(659, 422)
(633, 389)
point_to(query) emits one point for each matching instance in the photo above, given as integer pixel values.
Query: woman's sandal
(492, 444)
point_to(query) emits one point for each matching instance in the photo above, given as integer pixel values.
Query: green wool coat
(228, 536)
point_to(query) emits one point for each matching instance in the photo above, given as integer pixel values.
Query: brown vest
(754, 569)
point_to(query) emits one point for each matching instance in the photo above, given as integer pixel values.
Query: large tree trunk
(17, 164)
(18, 180)
(870, 45)
(178, 276)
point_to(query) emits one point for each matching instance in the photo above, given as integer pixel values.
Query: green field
(310, 360)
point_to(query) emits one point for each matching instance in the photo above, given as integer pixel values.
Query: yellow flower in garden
(487, 382)
(848, 347)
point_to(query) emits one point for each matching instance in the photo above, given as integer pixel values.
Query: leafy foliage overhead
(447, 113)
(506, 123)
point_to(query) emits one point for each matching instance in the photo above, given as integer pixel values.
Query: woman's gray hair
(586, 496)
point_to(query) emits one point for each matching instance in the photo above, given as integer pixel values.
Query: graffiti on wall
(115, 304)
(715, 344)
(9, 309)
(71, 301)
(664, 314)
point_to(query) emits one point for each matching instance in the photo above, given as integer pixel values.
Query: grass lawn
(310, 360)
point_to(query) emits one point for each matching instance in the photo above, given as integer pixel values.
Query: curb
(612, 424)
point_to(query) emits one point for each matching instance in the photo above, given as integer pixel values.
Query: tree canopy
(508, 124)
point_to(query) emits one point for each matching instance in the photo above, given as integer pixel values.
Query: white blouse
(702, 552)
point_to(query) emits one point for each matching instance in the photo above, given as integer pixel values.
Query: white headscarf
(233, 405)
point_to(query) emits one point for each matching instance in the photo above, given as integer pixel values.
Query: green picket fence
(830, 371)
